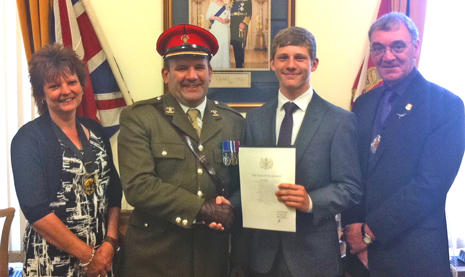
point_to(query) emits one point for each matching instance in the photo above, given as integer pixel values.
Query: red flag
(102, 100)
(368, 77)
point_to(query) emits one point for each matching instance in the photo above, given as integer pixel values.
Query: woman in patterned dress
(65, 179)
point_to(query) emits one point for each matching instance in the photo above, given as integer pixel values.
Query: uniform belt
(237, 13)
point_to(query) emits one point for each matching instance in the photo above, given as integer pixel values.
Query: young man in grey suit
(327, 173)
(409, 159)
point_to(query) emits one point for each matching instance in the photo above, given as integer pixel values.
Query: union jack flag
(102, 99)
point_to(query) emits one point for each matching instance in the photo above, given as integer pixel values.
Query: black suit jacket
(327, 166)
(416, 162)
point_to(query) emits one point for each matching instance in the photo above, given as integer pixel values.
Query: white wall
(340, 28)
(341, 31)
(132, 29)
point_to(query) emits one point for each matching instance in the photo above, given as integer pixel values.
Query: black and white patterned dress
(84, 215)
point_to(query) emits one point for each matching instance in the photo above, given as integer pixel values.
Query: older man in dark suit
(327, 173)
(411, 143)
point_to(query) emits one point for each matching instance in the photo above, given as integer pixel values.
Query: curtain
(16, 108)
(35, 18)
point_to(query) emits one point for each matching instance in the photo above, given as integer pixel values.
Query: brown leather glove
(212, 212)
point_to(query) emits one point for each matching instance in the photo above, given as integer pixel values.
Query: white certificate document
(261, 171)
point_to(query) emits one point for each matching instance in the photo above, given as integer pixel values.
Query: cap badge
(185, 38)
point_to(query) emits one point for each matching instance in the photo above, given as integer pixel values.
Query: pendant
(374, 144)
(90, 184)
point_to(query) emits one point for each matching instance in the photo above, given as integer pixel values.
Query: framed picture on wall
(241, 46)
(265, 19)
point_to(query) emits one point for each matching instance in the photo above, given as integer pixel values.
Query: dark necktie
(386, 105)
(384, 108)
(285, 133)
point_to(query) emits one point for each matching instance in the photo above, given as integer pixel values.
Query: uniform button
(200, 171)
(184, 222)
(200, 147)
(178, 220)
(164, 153)
(146, 225)
(200, 193)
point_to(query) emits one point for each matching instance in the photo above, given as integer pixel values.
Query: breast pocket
(169, 161)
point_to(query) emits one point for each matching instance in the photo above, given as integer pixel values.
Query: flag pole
(106, 48)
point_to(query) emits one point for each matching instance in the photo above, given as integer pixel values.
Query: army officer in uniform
(181, 217)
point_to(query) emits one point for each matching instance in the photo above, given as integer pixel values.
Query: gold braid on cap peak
(188, 49)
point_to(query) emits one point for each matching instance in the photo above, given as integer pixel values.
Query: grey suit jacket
(327, 166)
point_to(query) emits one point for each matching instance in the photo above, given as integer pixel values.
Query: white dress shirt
(302, 102)
(298, 116)
(201, 109)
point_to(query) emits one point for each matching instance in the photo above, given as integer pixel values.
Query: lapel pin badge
(408, 107)
(215, 113)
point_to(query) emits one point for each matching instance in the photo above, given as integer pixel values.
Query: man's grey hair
(391, 21)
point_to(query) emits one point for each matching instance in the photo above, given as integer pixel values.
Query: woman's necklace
(87, 156)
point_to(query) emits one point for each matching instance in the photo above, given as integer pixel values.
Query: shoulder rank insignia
(169, 110)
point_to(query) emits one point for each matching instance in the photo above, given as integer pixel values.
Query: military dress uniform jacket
(241, 12)
(161, 179)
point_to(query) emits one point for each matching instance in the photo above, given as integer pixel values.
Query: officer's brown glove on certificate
(220, 213)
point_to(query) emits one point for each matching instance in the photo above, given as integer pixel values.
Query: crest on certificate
(266, 163)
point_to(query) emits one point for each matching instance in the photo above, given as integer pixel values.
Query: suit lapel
(310, 124)
(400, 114)
(268, 128)
(367, 117)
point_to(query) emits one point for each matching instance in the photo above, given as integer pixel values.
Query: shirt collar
(302, 101)
(200, 107)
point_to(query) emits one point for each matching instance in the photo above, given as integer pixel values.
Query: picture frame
(264, 84)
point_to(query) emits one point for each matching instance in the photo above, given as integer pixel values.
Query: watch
(365, 237)
(114, 242)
